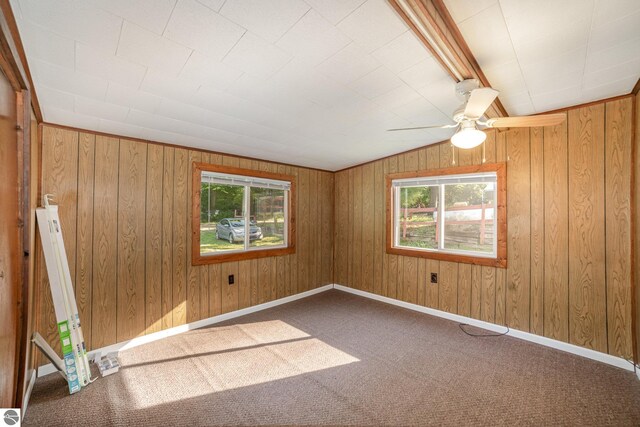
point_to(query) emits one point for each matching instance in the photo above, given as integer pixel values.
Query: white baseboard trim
(27, 394)
(548, 342)
(49, 368)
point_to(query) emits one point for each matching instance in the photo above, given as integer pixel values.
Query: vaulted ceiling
(547, 54)
(313, 82)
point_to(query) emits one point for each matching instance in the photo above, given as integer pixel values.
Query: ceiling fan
(469, 115)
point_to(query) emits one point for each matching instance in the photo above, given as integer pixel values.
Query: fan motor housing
(464, 88)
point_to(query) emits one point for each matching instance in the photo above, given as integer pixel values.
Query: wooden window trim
(196, 257)
(501, 172)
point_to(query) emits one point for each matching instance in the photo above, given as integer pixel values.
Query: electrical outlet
(434, 277)
(231, 279)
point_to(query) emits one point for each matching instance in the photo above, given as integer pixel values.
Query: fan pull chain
(453, 155)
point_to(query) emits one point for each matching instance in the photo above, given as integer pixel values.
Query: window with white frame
(241, 213)
(450, 214)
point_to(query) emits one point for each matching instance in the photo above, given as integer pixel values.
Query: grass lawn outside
(209, 243)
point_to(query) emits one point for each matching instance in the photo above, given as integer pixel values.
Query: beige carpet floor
(339, 359)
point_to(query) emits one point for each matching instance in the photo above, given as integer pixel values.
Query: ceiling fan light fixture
(468, 137)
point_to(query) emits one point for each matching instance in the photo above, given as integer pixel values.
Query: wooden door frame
(11, 64)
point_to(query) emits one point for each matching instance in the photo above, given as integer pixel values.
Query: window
(241, 214)
(455, 214)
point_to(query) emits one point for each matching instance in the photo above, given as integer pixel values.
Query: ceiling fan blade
(425, 127)
(527, 121)
(479, 101)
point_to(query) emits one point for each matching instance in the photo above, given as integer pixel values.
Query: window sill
(241, 255)
(442, 256)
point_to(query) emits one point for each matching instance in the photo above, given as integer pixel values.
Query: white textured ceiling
(314, 82)
(548, 54)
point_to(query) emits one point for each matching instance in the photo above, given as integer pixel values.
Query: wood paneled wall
(637, 228)
(125, 212)
(569, 232)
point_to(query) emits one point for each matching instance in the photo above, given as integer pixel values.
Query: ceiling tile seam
(224, 115)
(119, 37)
(350, 13)
(166, 24)
(181, 68)
(210, 8)
(353, 43)
(586, 53)
(294, 24)
(235, 44)
(516, 55)
(396, 38)
(478, 13)
(156, 35)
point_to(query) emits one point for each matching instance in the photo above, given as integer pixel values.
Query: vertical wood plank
(244, 283)
(153, 233)
(327, 229)
(167, 238)
(193, 276)
(229, 292)
(587, 293)
(618, 154)
(488, 303)
(340, 230)
(215, 289)
(105, 242)
(379, 227)
(180, 200)
(84, 244)
(384, 285)
(464, 289)
(304, 228)
(501, 273)
(410, 279)
(476, 291)
(518, 229)
(556, 237)
(357, 241)
(368, 226)
(313, 227)
(537, 230)
(264, 280)
(131, 240)
(392, 260)
(448, 279)
(293, 258)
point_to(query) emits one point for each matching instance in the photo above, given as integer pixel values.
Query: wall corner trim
(135, 342)
(547, 342)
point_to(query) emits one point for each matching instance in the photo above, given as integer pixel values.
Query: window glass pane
(469, 217)
(417, 217)
(267, 217)
(221, 218)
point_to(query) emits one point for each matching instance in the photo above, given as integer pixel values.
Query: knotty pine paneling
(125, 211)
(569, 232)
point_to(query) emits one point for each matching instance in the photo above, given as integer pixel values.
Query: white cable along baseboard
(547, 342)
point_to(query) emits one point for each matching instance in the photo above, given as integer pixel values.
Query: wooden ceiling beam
(431, 22)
